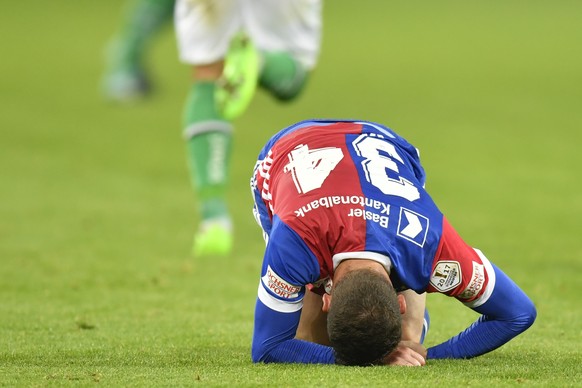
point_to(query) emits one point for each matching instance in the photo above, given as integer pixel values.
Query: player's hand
(418, 348)
(407, 353)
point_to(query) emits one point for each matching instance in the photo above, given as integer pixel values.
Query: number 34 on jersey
(311, 167)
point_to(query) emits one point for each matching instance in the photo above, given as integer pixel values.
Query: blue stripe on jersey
(410, 153)
(411, 250)
(288, 247)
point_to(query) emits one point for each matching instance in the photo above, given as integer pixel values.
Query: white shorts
(204, 28)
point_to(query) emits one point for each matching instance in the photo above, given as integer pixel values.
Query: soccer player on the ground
(353, 244)
(279, 47)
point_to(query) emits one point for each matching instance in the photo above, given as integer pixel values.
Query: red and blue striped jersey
(326, 191)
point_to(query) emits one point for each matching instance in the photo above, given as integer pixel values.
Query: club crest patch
(446, 275)
(278, 286)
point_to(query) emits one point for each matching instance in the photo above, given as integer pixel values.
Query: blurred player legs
(126, 78)
(227, 67)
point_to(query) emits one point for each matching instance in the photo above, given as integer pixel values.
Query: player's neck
(349, 265)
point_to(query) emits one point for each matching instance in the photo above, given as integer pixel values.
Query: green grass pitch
(97, 214)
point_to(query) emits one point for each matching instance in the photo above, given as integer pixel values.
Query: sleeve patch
(446, 275)
(279, 286)
(475, 284)
(461, 271)
(489, 283)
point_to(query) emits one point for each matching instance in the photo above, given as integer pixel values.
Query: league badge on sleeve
(446, 275)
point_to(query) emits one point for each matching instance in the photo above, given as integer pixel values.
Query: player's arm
(273, 339)
(288, 267)
(506, 310)
(410, 351)
(507, 313)
(413, 319)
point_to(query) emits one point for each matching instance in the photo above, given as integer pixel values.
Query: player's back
(348, 188)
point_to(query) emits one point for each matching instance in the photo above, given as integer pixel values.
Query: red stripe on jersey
(319, 215)
(457, 270)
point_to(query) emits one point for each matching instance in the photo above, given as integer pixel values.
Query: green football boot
(237, 85)
(214, 238)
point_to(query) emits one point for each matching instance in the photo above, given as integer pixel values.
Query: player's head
(364, 320)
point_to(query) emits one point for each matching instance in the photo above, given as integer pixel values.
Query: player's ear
(402, 303)
(326, 299)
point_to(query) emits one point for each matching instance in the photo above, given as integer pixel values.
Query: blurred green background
(97, 214)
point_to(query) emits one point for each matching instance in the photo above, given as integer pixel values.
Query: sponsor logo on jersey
(369, 215)
(476, 283)
(279, 286)
(412, 226)
(446, 275)
(334, 200)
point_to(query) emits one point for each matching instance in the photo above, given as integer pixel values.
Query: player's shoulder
(288, 252)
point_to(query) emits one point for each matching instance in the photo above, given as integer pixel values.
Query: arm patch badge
(446, 275)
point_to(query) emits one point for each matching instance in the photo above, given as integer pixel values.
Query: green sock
(142, 20)
(282, 75)
(209, 143)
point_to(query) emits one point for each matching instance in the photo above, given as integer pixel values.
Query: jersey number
(310, 168)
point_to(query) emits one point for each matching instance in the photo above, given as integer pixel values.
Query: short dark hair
(364, 321)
